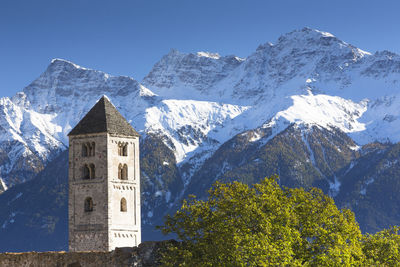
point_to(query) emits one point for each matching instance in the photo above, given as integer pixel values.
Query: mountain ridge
(308, 107)
(231, 95)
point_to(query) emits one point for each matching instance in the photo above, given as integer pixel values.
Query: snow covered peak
(300, 60)
(63, 62)
(54, 102)
(59, 68)
(305, 33)
(189, 75)
(300, 55)
(325, 34)
(315, 42)
(208, 54)
(63, 79)
(36, 121)
(308, 39)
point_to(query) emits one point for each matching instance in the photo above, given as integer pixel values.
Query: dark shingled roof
(104, 117)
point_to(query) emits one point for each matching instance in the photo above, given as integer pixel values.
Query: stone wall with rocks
(146, 254)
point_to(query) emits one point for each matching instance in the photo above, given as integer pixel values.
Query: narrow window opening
(84, 150)
(120, 171)
(124, 174)
(119, 149)
(92, 171)
(123, 205)
(89, 150)
(86, 172)
(93, 149)
(125, 150)
(88, 204)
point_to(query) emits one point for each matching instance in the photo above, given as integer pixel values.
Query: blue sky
(126, 37)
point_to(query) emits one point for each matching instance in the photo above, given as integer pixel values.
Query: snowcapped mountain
(306, 77)
(198, 101)
(35, 122)
(40, 117)
(301, 75)
(308, 107)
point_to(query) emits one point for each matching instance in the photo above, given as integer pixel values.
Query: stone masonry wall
(145, 255)
(123, 227)
(88, 230)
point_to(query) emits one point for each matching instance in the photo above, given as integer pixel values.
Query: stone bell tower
(104, 181)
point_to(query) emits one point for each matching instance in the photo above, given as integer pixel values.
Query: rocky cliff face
(198, 71)
(310, 107)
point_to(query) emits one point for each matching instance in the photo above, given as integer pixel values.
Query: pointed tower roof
(104, 117)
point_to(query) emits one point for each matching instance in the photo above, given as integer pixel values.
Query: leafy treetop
(263, 225)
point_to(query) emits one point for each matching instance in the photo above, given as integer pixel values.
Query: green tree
(262, 225)
(328, 236)
(383, 248)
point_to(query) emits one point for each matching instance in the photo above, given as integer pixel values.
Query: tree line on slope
(266, 225)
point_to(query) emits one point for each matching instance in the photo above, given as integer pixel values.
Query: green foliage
(263, 225)
(383, 248)
(328, 236)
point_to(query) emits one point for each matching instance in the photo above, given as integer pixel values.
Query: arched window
(120, 171)
(88, 204)
(92, 171)
(123, 205)
(88, 149)
(125, 150)
(86, 172)
(93, 149)
(84, 150)
(119, 149)
(122, 149)
(124, 175)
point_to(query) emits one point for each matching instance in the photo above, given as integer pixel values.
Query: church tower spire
(104, 181)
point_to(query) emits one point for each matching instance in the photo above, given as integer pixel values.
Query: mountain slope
(301, 156)
(34, 215)
(370, 187)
